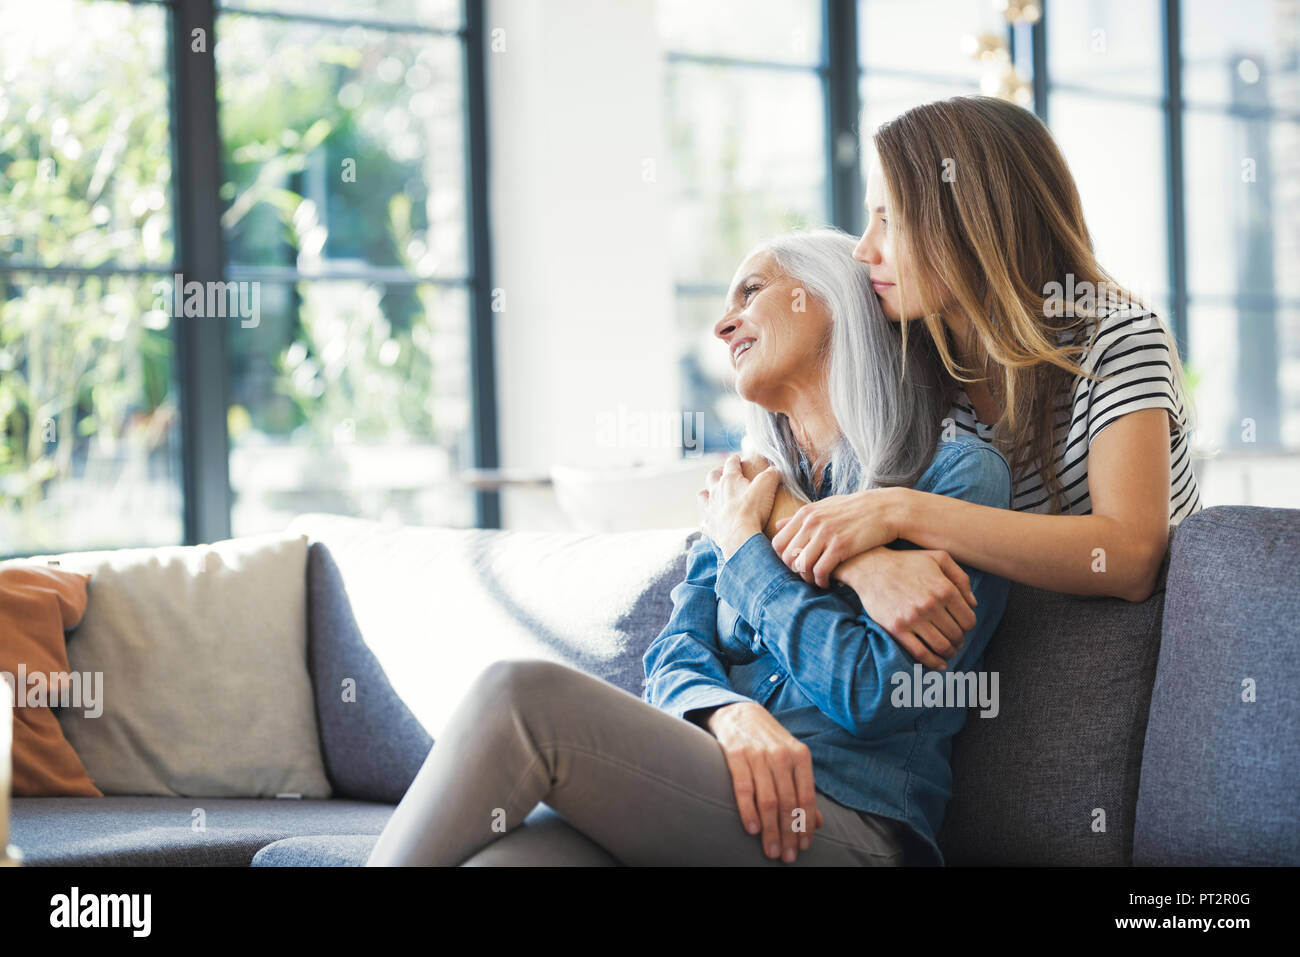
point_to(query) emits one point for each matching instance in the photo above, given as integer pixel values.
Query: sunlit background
(490, 240)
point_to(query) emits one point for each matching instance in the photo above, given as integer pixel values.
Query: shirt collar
(805, 475)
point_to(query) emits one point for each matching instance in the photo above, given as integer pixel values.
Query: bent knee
(519, 678)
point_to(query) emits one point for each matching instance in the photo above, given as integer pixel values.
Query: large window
(323, 163)
(1106, 107)
(345, 200)
(1241, 126)
(318, 351)
(747, 137)
(1181, 122)
(911, 52)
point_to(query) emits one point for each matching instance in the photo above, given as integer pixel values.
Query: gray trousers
(542, 764)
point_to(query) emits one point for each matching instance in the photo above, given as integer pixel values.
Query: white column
(578, 209)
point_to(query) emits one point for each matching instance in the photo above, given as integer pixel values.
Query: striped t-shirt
(1133, 351)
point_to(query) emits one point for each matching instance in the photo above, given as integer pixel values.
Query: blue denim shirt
(753, 630)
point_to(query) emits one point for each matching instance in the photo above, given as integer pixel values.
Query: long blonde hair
(983, 203)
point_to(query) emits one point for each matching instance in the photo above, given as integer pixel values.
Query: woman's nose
(866, 251)
(724, 326)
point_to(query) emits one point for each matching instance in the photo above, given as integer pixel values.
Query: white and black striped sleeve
(1134, 359)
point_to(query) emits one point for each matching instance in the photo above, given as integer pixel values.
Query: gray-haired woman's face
(774, 330)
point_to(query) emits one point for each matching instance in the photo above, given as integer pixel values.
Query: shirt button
(773, 678)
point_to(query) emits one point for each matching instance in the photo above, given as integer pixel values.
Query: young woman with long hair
(976, 235)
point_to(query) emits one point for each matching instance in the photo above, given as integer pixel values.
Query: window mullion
(1173, 82)
(486, 454)
(200, 345)
(843, 134)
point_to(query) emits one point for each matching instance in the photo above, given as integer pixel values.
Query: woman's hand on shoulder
(821, 535)
(920, 596)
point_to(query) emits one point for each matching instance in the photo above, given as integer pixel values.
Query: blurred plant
(345, 358)
(86, 181)
(84, 176)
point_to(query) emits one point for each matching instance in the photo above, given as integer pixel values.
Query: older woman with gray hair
(780, 721)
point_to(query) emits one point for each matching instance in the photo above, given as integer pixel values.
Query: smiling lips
(739, 348)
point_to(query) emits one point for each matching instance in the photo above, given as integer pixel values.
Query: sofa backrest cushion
(372, 744)
(425, 610)
(1221, 772)
(1053, 778)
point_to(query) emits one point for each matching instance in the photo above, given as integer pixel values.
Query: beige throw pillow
(203, 656)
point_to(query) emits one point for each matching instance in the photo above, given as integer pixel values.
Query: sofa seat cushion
(63, 831)
(545, 840)
(317, 850)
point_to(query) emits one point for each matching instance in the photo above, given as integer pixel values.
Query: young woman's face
(880, 250)
(774, 330)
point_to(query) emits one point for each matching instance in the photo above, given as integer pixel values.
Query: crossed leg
(637, 783)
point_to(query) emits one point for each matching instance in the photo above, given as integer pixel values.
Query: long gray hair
(887, 397)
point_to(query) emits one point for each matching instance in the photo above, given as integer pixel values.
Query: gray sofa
(1160, 733)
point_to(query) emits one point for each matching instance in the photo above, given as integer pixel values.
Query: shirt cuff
(750, 575)
(702, 696)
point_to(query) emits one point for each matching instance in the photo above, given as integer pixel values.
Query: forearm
(784, 506)
(684, 666)
(819, 641)
(840, 659)
(681, 690)
(1075, 554)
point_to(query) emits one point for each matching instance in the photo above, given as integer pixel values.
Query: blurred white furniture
(663, 495)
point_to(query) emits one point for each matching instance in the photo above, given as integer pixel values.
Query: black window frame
(200, 352)
(202, 382)
(200, 349)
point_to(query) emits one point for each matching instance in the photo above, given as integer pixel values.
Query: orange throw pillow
(37, 604)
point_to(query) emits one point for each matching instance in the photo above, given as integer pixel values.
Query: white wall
(575, 105)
